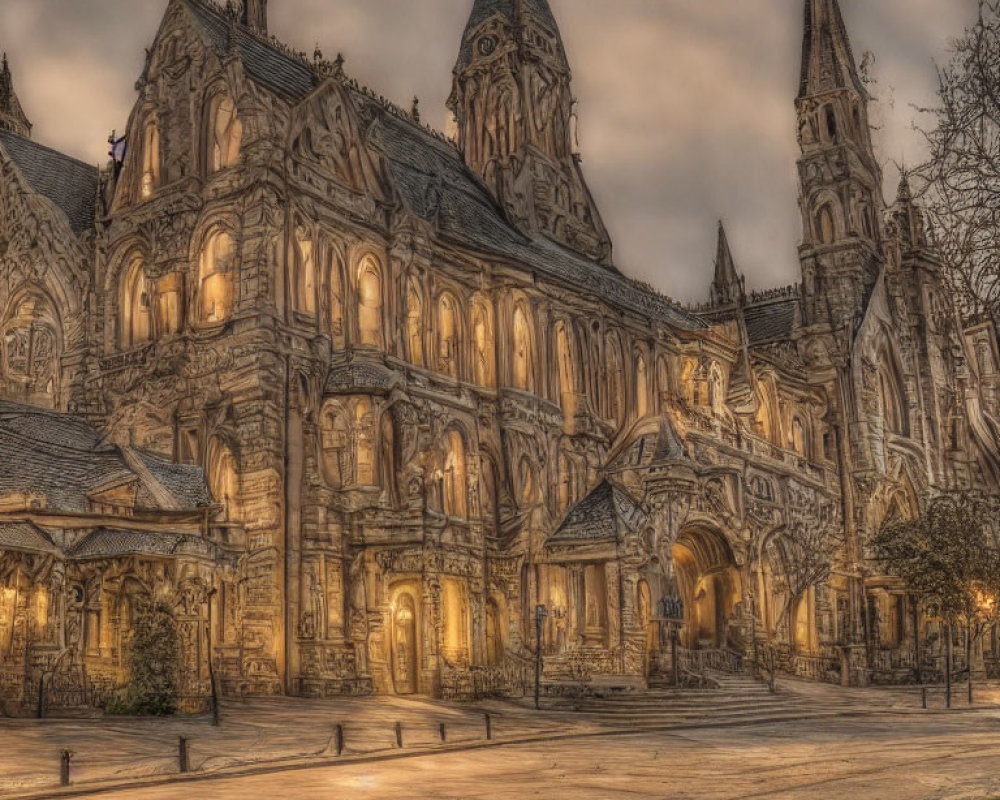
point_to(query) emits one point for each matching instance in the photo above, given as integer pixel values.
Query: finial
(317, 54)
(415, 110)
(338, 65)
(904, 194)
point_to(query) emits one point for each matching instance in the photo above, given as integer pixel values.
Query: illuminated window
(216, 270)
(136, 307)
(150, 158)
(414, 324)
(304, 270)
(484, 342)
(615, 381)
(169, 293)
(364, 443)
(641, 387)
(448, 339)
(567, 374)
(522, 355)
(370, 304)
(223, 478)
(799, 437)
(455, 484)
(225, 133)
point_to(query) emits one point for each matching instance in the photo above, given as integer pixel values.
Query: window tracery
(523, 356)
(150, 158)
(136, 322)
(303, 270)
(31, 353)
(484, 345)
(448, 336)
(415, 324)
(225, 133)
(370, 303)
(216, 273)
(455, 483)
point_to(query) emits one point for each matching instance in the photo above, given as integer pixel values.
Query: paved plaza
(806, 742)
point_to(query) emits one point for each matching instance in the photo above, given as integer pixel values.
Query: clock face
(487, 45)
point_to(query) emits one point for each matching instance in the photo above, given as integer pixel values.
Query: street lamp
(540, 614)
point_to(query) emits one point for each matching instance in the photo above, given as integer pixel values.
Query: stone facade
(426, 402)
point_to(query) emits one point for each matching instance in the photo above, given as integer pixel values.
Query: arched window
(615, 381)
(303, 258)
(716, 395)
(567, 374)
(830, 117)
(799, 441)
(370, 304)
(334, 281)
(455, 484)
(169, 295)
(482, 332)
(223, 478)
(136, 324)
(825, 227)
(335, 436)
(216, 272)
(448, 336)
(663, 383)
(225, 133)
(414, 324)
(641, 387)
(890, 403)
(522, 356)
(31, 353)
(150, 158)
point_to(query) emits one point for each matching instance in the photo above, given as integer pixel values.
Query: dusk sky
(686, 106)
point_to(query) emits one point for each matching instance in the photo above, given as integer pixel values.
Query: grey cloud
(686, 106)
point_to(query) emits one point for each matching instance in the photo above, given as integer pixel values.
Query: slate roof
(602, 516)
(111, 542)
(62, 458)
(25, 536)
(265, 63)
(770, 321)
(433, 180)
(70, 184)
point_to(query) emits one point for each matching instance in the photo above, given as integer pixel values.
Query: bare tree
(961, 179)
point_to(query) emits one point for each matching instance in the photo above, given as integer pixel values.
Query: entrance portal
(710, 588)
(404, 644)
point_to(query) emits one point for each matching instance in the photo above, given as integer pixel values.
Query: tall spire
(514, 110)
(12, 117)
(727, 288)
(827, 58)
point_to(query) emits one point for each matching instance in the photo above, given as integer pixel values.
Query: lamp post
(540, 614)
(672, 607)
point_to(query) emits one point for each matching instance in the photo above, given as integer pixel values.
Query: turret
(516, 123)
(728, 287)
(12, 117)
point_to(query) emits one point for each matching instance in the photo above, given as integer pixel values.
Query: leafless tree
(961, 180)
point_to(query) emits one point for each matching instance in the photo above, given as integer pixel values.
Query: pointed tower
(514, 108)
(12, 116)
(254, 15)
(728, 285)
(840, 180)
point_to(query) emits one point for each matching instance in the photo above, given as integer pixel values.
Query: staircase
(739, 700)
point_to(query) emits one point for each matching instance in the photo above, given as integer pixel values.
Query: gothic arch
(303, 258)
(370, 293)
(135, 304)
(455, 483)
(149, 179)
(334, 295)
(223, 476)
(415, 323)
(566, 372)
(31, 333)
(217, 256)
(641, 390)
(617, 407)
(892, 402)
(523, 362)
(484, 343)
(223, 130)
(709, 584)
(450, 335)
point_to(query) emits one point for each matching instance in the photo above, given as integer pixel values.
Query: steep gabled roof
(604, 515)
(70, 184)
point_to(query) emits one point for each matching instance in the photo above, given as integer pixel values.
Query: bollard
(339, 739)
(923, 696)
(399, 735)
(67, 756)
(489, 727)
(443, 732)
(182, 754)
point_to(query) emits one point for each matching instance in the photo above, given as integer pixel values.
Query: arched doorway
(709, 586)
(405, 655)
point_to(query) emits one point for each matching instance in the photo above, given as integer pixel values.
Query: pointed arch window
(216, 273)
(825, 226)
(364, 433)
(799, 438)
(150, 158)
(31, 353)
(304, 269)
(455, 483)
(615, 381)
(225, 133)
(482, 332)
(448, 335)
(333, 272)
(223, 478)
(641, 387)
(567, 373)
(370, 303)
(522, 356)
(136, 324)
(414, 323)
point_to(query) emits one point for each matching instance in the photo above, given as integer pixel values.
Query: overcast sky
(686, 106)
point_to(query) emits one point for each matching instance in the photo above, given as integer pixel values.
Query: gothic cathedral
(353, 399)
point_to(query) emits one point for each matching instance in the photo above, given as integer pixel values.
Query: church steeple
(728, 285)
(12, 117)
(515, 112)
(840, 179)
